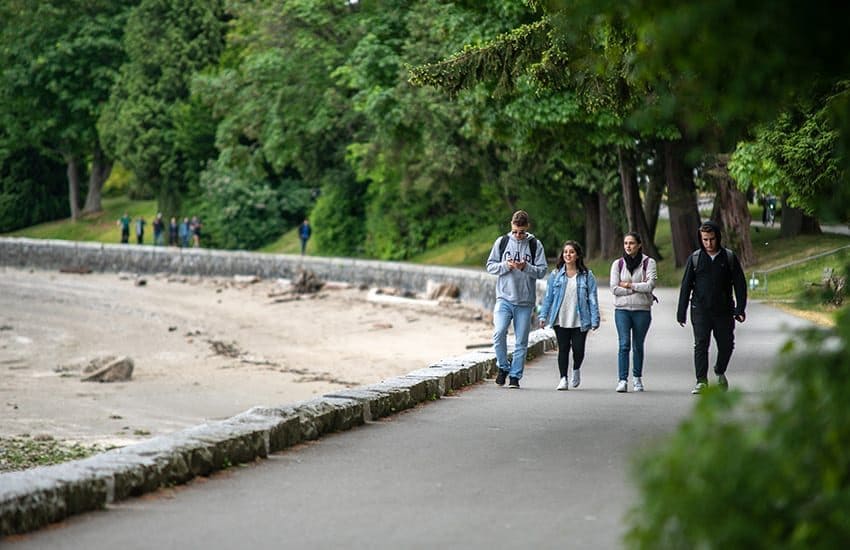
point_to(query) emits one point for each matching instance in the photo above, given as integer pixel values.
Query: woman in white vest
(633, 278)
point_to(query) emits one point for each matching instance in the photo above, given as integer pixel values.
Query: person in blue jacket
(571, 308)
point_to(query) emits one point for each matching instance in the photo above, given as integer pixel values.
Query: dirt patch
(203, 349)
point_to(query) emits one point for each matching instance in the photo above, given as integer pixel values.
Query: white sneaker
(562, 385)
(699, 388)
(638, 385)
(576, 377)
(622, 386)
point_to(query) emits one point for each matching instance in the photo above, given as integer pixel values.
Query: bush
(241, 214)
(33, 189)
(774, 473)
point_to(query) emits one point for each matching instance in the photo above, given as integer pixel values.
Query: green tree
(59, 61)
(32, 189)
(149, 122)
(284, 125)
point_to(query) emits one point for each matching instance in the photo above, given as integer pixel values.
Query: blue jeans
(632, 327)
(503, 313)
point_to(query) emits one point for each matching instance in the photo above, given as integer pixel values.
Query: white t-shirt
(568, 314)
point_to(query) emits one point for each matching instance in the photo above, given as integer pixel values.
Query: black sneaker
(501, 377)
(514, 383)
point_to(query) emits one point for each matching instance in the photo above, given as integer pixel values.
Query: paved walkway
(486, 468)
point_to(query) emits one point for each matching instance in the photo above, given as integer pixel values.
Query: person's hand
(741, 318)
(519, 265)
(510, 264)
(542, 323)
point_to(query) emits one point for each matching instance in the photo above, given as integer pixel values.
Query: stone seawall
(476, 286)
(34, 498)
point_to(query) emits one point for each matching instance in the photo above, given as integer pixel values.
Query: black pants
(570, 338)
(723, 328)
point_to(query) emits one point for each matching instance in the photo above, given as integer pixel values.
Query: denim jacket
(588, 303)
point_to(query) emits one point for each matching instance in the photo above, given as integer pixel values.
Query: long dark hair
(579, 257)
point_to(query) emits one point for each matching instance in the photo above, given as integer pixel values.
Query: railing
(758, 279)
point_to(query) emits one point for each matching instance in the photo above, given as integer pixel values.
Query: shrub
(769, 473)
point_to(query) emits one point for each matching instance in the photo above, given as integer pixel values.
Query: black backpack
(532, 245)
(730, 257)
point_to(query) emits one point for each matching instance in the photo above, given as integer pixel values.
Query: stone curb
(34, 498)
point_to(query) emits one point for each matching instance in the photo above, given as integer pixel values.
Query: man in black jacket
(711, 274)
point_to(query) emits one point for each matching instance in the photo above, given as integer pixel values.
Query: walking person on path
(140, 230)
(571, 308)
(711, 274)
(172, 232)
(185, 232)
(632, 281)
(304, 232)
(158, 228)
(195, 229)
(124, 222)
(518, 260)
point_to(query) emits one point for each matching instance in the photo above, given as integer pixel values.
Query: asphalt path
(485, 468)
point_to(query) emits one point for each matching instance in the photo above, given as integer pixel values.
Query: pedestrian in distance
(632, 281)
(172, 232)
(124, 223)
(712, 273)
(571, 308)
(158, 229)
(185, 233)
(140, 230)
(304, 232)
(195, 228)
(518, 260)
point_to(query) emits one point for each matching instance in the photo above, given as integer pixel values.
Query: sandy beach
(203, 349)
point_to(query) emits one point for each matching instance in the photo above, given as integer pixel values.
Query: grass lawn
(101, 227)
(793, 287)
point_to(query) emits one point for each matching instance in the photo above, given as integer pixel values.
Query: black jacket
(708, 284)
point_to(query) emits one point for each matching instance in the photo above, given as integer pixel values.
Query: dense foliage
(766, 474)
(32, 189)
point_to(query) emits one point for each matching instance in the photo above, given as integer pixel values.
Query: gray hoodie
(514, 286)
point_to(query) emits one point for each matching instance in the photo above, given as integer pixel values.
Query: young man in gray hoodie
(518, 260)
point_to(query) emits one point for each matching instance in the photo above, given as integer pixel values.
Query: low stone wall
(476, 286)
(34, 498)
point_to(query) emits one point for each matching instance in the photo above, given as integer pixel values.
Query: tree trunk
(592, 226)
(169, 203)
(610, 236)
(632, 202)
(652, 206)
(795, 222)
(733, 212)
(73, 174)
(101, 168)
(682, 200)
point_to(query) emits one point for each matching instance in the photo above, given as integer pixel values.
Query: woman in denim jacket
(571, 307)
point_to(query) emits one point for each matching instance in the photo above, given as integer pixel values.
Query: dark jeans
(723, 328)
(570, 338)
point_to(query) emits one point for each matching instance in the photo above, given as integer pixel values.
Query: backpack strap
(503, 245)
(532, 245)
(644, 263)
(730, 257)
